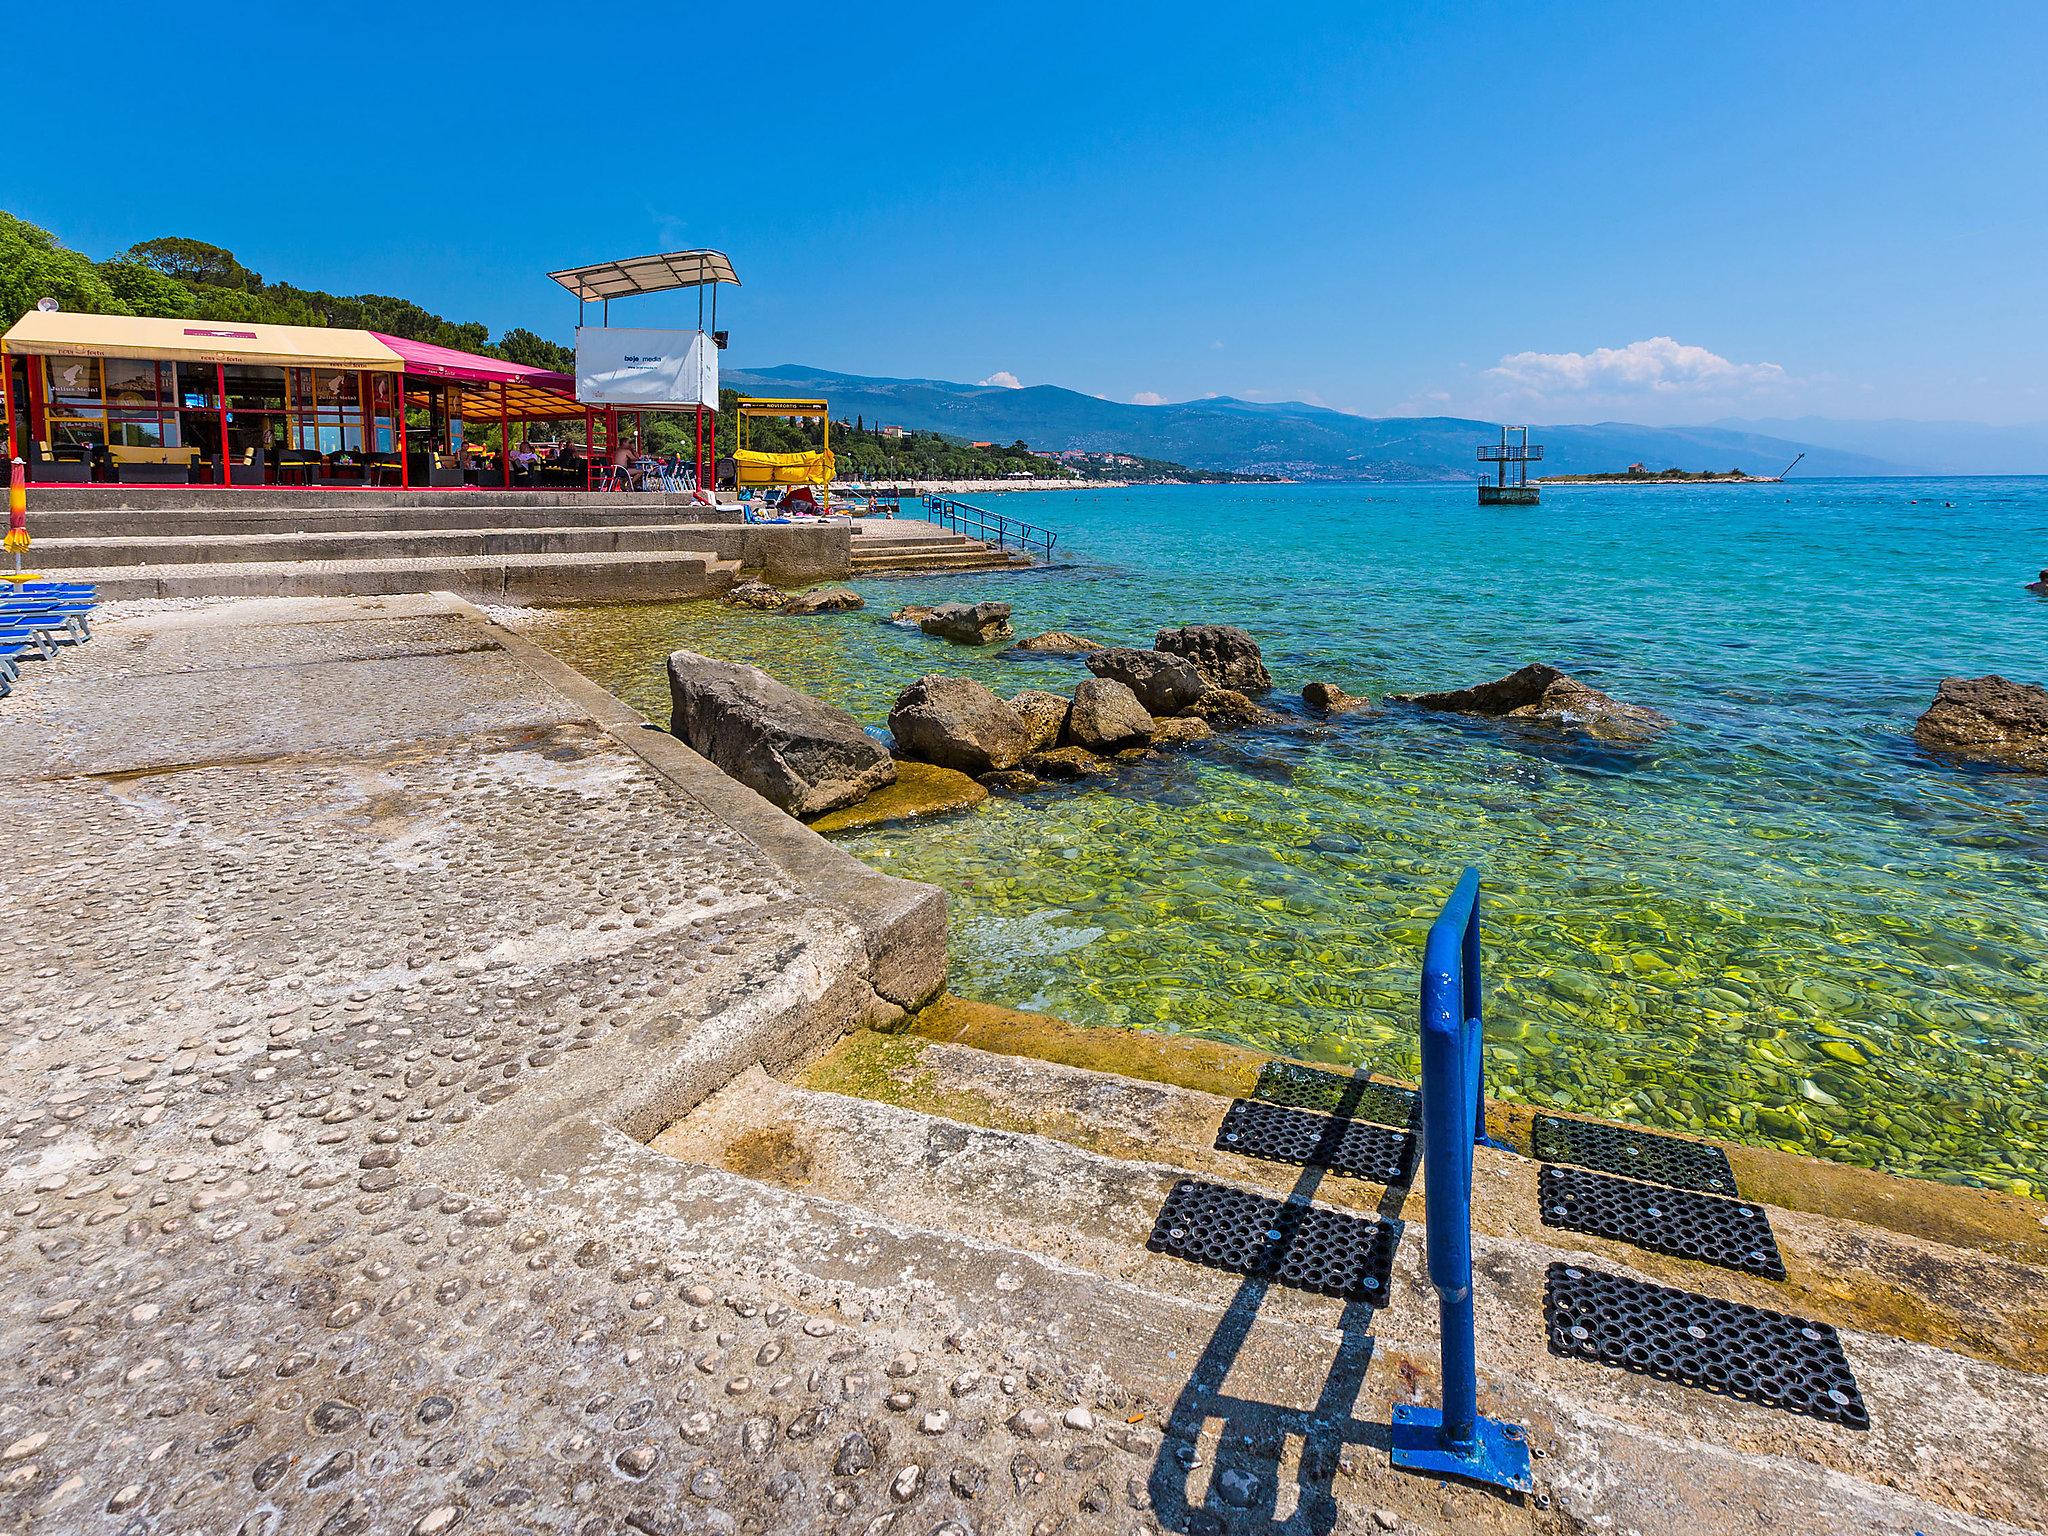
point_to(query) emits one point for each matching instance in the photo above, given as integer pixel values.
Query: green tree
(193, 262)
(520, 345)
(146, 291)
(34, 266)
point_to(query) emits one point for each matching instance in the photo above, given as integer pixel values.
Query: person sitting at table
(523, 457)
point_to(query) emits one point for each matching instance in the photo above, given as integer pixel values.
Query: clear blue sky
(1841, 206)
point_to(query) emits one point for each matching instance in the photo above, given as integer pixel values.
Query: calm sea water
(1784, 924)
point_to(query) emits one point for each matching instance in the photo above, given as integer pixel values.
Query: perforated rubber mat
(1281, 1135)
(1736, 1234)
(1766, 1357)
(1639, 1154)
(1282, 1082)
(1293, 1242)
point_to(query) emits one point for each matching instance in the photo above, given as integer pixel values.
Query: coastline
(1565, 485)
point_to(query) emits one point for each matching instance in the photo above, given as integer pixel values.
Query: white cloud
(1656, 366)
(1147, 397)
(1002, 378)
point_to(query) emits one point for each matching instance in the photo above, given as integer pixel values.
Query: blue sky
(1552, 212)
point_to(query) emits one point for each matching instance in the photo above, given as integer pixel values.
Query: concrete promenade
(432, 1100)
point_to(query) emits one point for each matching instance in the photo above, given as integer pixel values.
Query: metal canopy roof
(647, 274)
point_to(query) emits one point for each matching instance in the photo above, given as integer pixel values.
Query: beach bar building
(143, 400)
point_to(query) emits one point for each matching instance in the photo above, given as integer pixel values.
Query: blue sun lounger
(64, 626)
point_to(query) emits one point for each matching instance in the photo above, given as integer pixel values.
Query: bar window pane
(74, 381)
(74, 434)
(255, 388)
(131, 384)
(338, 389)
(135, 431)
(197, 387)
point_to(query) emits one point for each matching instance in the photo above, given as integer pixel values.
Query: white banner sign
(646, 369)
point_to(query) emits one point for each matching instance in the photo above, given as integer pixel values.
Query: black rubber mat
(1293, 1242)
(1336, 1093)
(1724, 1346)
(1736, 1234)
(1282, 1135)
(1639, 1154)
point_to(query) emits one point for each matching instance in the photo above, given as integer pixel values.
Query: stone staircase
(493, 548)
(881, 548)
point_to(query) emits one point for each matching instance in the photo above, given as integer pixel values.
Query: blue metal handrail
(961, 516)
(1454, 1438)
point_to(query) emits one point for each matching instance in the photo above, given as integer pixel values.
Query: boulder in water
(1228, 707)
(1988, 719)
(825, 600)
(911, 616)
(1044, 715)
(1065, 763)
(795, 751)
(1180, 731)
(968, 623)
(1332, 700)
(1107, 717)
(921, 789)
(1058, 642)
(1164, 684)
(1543, 694)
(1222, 653)
(957, 723)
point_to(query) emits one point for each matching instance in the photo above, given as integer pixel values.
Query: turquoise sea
(1785, 923)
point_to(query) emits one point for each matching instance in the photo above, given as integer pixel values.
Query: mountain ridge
(1290, 438)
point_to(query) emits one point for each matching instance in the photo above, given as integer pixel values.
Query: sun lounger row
(37, 620)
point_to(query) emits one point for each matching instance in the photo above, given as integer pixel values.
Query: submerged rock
(1542, 693)
(1222, 653)
(1164, 684)
(825, 600)
(1332, 700)
(1989, 719)
(757, 595)
(1228, 707)
(1107, 717)
(1065, 763)
(1014, 781)
(1180, 731)
(957, 723)
(921, 789)
(910, 616)
(793, 750)
(1044, 715)
(1058, 642)
(968, 623)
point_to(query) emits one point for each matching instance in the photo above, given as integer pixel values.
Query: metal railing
(1454, 1438)
(980, 523)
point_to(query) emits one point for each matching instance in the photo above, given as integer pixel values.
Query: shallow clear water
(1783, 924)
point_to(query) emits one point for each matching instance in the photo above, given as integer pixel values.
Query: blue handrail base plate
(1500, 1452)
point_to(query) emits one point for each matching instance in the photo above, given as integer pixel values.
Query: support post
(1453, 1438)
(220, 382)
(504, 440)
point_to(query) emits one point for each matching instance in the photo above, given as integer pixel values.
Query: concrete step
(62, 553)
(529, 578)
(989, 560)
(338, 512)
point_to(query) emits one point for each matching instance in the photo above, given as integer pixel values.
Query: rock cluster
(968, 623)
(1332, 700)
(1165, 685)
(1545, 695)
(957, 722)
(1988, 719)
(1106, 718)
(796, 752)
(757, 595)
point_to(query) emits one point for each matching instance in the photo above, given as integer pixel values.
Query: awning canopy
(647, 274)
(528, 392)
(62, 333)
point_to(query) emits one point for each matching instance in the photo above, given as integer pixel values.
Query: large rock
(1223, 653)
(1066, 763)
(1164, 684)
(957, 723)
(1107, 717)
(1541, 693)
(911, 616)
(968, 623)
(921, 789)
(1989, 719)
(798, 753)
(1044, 715)
(1228, 707)
(825, 600)
(1058, 642)
(757, 595)
(1180, 731)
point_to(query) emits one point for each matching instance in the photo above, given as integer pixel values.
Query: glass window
(337, 389)
(73, 434)
(254, 388)
(198, 386)
(135, 431)
(74, 382)
(131, 384)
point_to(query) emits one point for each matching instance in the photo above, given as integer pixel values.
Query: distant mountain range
(1937, 447)
(1309, 442)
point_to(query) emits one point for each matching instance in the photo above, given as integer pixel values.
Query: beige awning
(61, 333)
(647, 274)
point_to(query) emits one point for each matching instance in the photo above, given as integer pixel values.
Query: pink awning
(423, 357)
